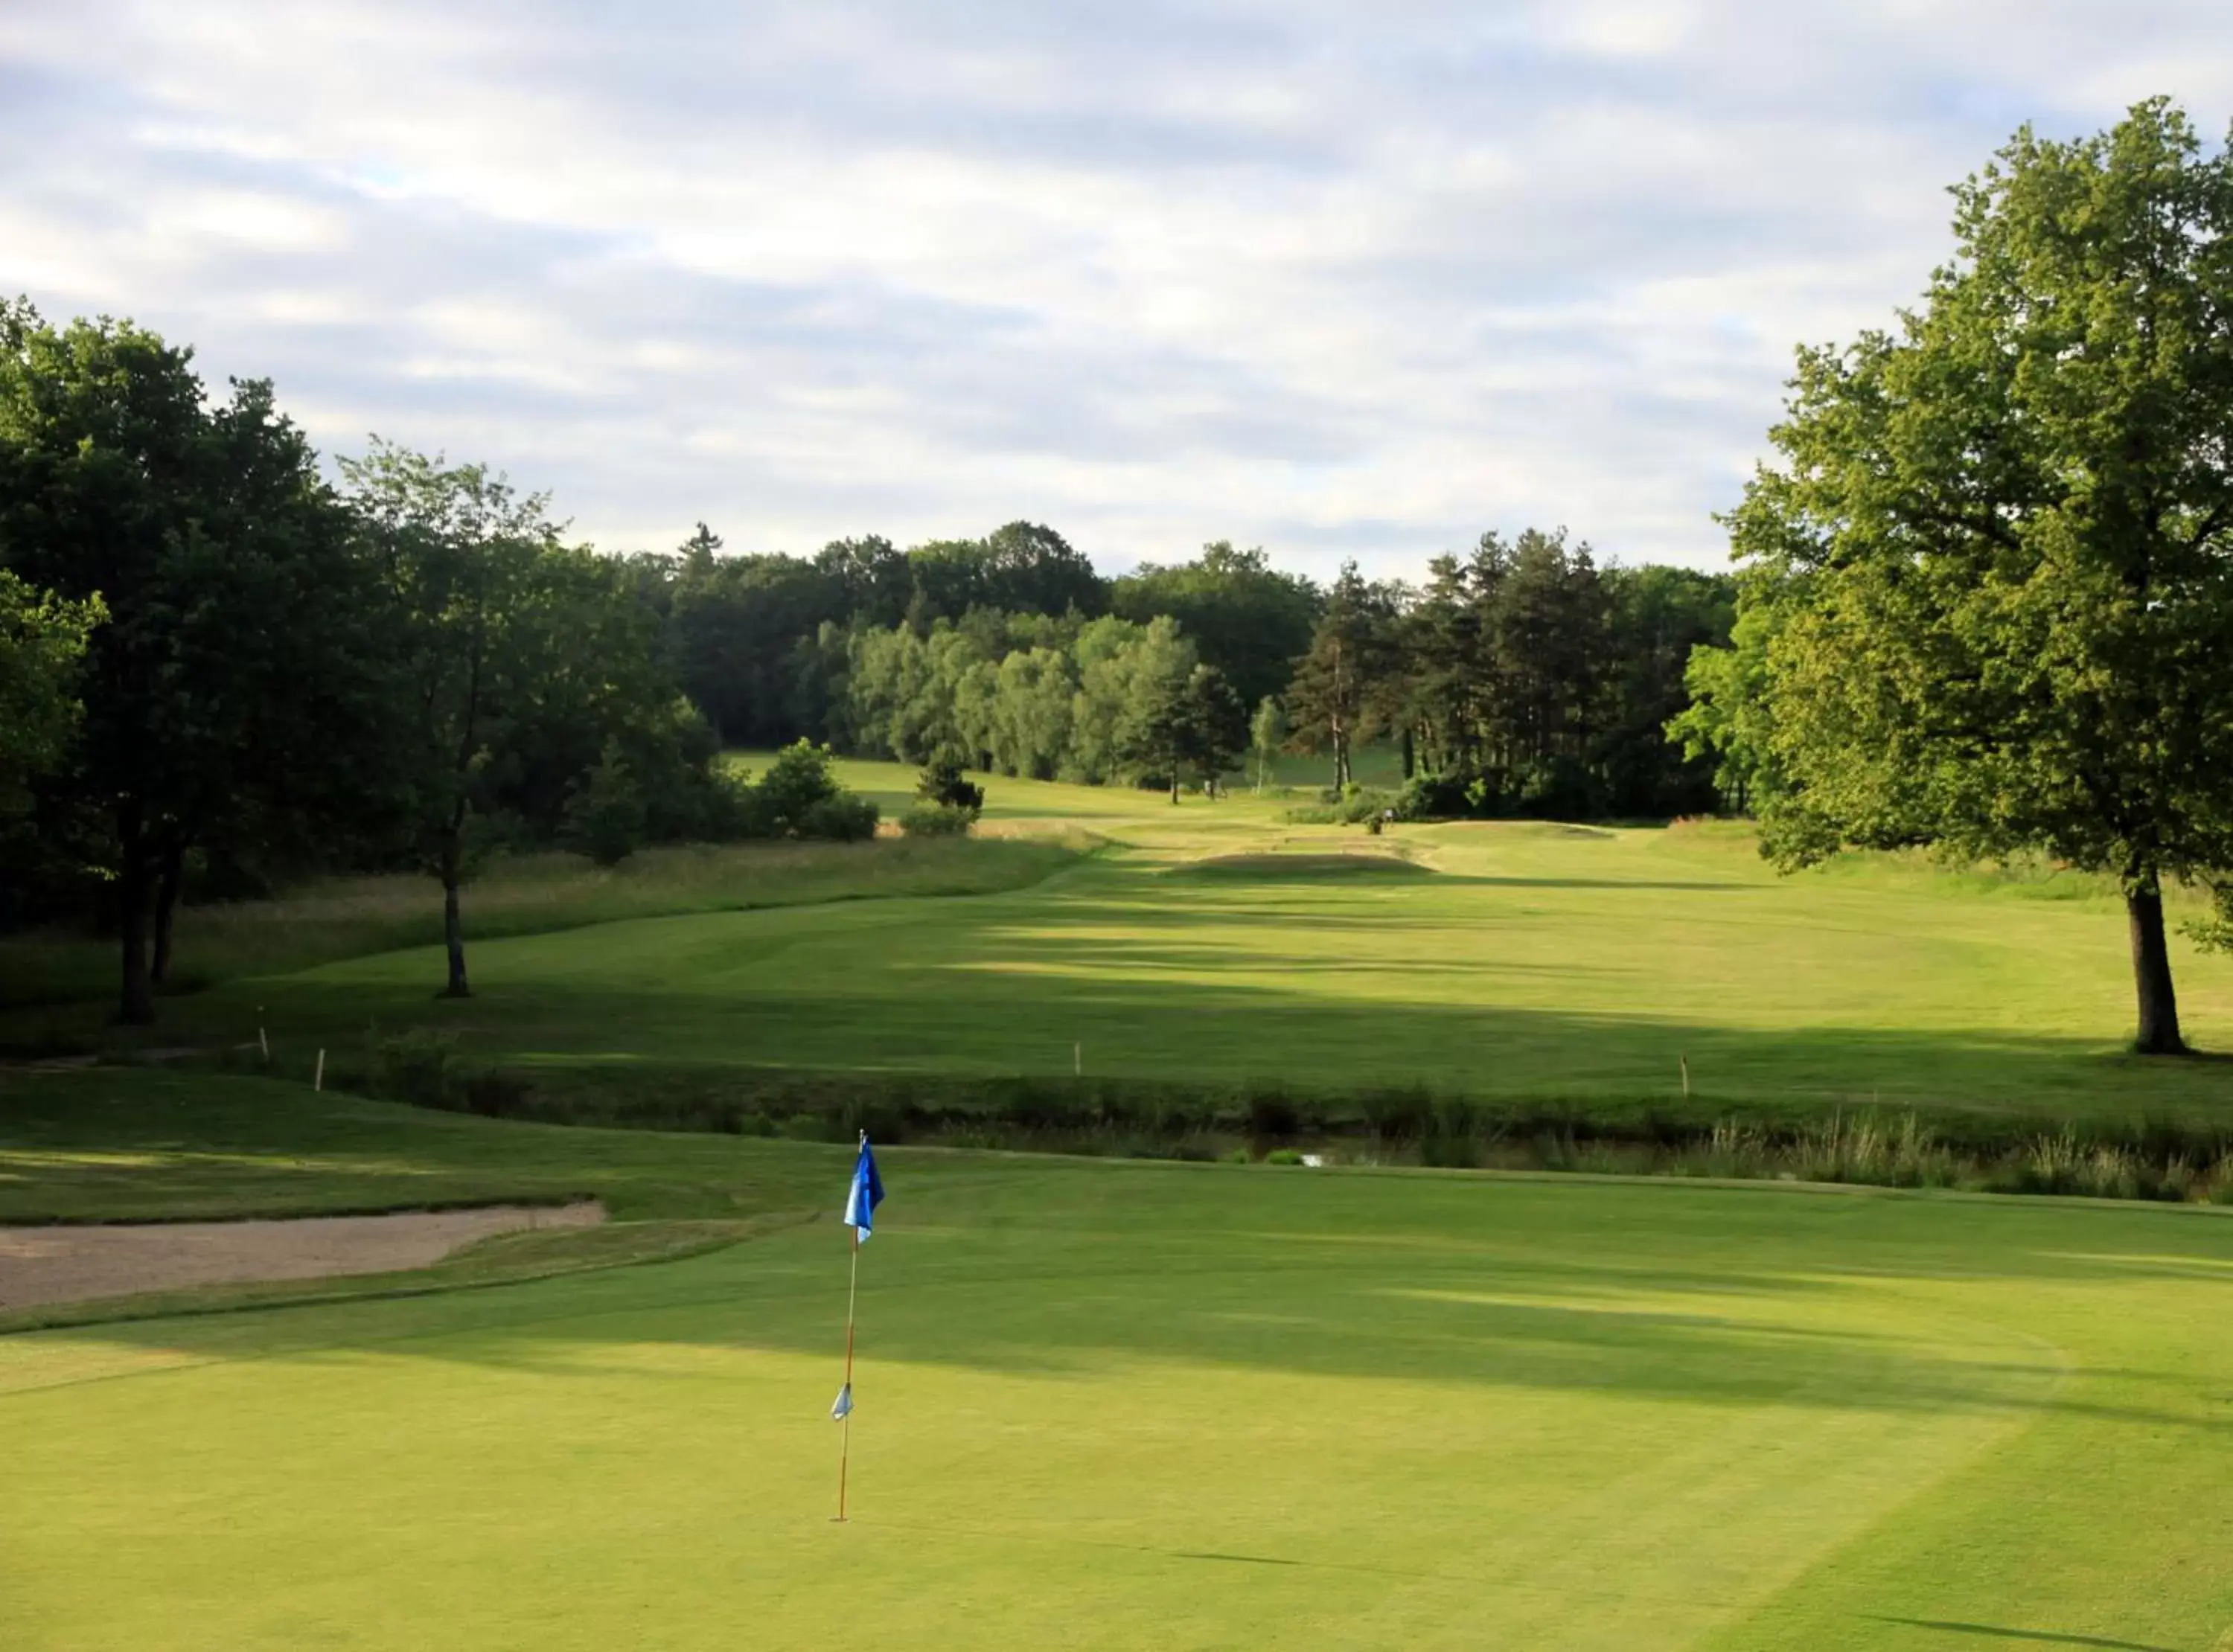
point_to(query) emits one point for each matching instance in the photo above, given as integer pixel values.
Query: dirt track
(44, 1264)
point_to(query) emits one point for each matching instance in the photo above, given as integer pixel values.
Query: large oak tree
(1997, 553)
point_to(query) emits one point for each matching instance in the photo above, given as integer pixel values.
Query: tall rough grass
(1143, 1118)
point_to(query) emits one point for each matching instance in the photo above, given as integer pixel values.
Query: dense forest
(225, 663)
(1521, 677)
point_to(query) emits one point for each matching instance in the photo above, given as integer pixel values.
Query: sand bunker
(44, 1264)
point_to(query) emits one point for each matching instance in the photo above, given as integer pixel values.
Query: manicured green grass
(126, 1144)
(1213, 944)
(1115, 1405)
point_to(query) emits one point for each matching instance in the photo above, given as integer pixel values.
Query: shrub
(942, 784)
(1350, 807)
(845, 818)
(729, 809)
(798, 779)
(1449, 1139)
(880, 1118)
(605, 814)
(495, 1095)
(1433, 796)
(1397, 1115)
(414, 1067)
(936, 820)
(1036, 1108)
(1273, 1113)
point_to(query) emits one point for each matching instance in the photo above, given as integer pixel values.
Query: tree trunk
(167, 882)
(454, 942)
(135, 1004)
(1175, 778)
(1409, 755)
(453, 938)
(2158, 1033)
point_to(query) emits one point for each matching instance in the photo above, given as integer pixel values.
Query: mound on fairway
(1281, 866)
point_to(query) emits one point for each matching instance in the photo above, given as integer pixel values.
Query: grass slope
(108, 1144)
(1215, 945)
(1109, 1405)
(524, 895)
(118, 1144)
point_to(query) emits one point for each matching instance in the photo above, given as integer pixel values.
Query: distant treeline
(222, 667)
(1521, 679)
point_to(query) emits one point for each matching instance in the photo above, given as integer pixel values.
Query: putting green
(1117, 1405)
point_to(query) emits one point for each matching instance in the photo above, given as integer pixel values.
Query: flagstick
(845, 1447)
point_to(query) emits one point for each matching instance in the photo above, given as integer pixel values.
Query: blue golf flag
(868, 1192)
(843, 1409)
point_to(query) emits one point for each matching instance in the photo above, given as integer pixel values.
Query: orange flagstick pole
(845, 1446)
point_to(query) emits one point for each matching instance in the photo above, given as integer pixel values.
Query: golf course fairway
(1121, 1405)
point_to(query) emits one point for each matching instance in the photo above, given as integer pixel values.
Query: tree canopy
(42, 645)
(1250, 619)
(1990, 578)
(223, 689)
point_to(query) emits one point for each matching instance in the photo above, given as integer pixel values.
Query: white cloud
(1338, 279)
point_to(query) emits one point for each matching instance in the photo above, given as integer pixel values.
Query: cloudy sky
(1343, 279)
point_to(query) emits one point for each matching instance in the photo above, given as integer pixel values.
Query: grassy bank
(129, 1144)
(1699, 1136)
(123, 1144)
(342, 918)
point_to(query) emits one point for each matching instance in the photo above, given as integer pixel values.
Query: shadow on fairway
(1021, 1010)
(2041, 1637)
(1056, 1271)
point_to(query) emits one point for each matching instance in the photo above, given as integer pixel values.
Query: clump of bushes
(1451, 1134)
(926, 820)
(1351, 805)
(605, 817)
(620, 804)
(949, 802)
(413, 1067)
(799, 796)
(943, 786)
(422, 1067)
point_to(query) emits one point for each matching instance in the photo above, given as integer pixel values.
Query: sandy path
(42, 1265)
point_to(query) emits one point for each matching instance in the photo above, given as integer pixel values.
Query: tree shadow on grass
(2037, 1638)
(1034, 1272)
(954, 1016)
